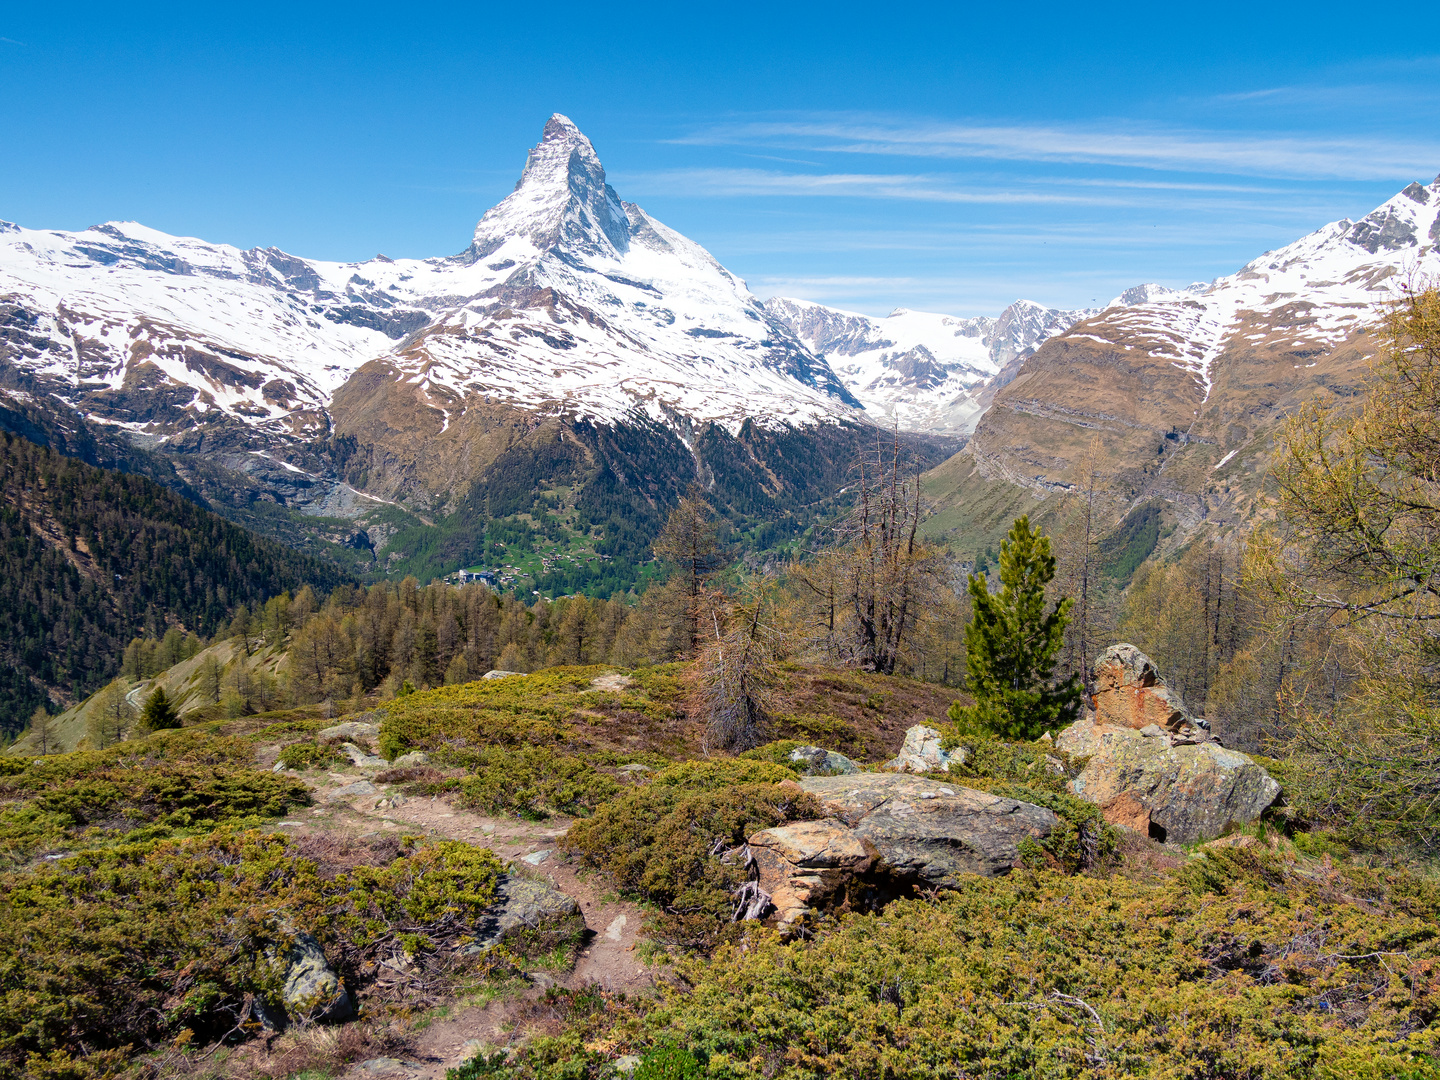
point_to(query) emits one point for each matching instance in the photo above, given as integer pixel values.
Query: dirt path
(608, 957)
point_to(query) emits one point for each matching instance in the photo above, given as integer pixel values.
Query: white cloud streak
(1122, 143)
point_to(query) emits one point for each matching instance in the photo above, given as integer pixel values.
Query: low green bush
(667, 840)
(145, 789)
(1047, 976)
(132, 945)
(308, 755)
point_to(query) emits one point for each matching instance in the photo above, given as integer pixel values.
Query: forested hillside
(91, 557)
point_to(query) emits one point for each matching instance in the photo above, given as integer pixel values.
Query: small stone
(627, 1064)
(1153, 731)
(413, 759)
(279, 766)
(398, 799)
(535, 858)
(361, 759)
(633, 767)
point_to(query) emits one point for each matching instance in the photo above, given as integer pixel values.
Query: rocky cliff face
(1185, 389)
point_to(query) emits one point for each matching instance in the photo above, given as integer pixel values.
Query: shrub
(132, 945)
(667, 841)
(1045, 975)
(308, 755)
(137, 790)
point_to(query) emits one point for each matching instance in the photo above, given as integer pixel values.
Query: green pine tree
(1011, 644)
(158, 712)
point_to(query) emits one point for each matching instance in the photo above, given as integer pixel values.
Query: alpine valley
(581, 360)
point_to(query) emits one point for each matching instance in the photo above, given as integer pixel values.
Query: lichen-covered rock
(352, 731)
(816, 760)
(312, 990)
(929, 833)
(529, 915)
(498, 674)
(921, 753)
(361, 759)
(804, 865)
(411, 760)
(1130, 693)
(1174, 789)
(352, 791)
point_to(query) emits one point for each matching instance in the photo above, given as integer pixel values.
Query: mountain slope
(382, 392)
(1186, 390)
(923, 371)
(90, 557)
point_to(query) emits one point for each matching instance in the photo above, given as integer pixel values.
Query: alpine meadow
(566, 659)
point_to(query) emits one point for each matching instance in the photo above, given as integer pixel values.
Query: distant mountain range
(1186, 389)
(579, 350)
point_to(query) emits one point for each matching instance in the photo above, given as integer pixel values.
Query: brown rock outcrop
(1130, 693)
(890, 834)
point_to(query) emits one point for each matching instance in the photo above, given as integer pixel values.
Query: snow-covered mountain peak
(561, 201)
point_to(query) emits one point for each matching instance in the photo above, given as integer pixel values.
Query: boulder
(1130, 693)
(803, 866)
(1175, 789)
(361, 759)
(411, 760)
(497, 674)
(921, 753)
(815, 760)
(312, 990)
(929, 833)
(351, 731)
(529, 914)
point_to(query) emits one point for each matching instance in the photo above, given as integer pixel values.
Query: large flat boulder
(1174, 789)
(530, 916)
(927, 833)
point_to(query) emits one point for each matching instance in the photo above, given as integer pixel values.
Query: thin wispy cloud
(12, 41)
(1115, 143)
(753, 182)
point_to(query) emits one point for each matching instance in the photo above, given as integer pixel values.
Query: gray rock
(361, 759)
(352, 730)
(384, 1066)
(921, 753)
(814, 760)
(352, 791)
(312, 990)
(500, 674)
(634, 768)
(1173, 789)
(628, 1063)
(411, 760)
(535, 858)
(526, 906)
(931, 833)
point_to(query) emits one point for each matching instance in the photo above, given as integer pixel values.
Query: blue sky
(949, 158)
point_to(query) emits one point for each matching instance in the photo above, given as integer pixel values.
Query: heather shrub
(676, 841)
(132, 945)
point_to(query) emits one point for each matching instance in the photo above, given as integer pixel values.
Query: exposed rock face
(312, 989)
(807, 865)
(889, 834)
(1174, 789)
(921, 753)
(351, 730)
(1130, 693)
(816, 760)
(530, 914)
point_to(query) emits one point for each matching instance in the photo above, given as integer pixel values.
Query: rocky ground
(608, 957)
